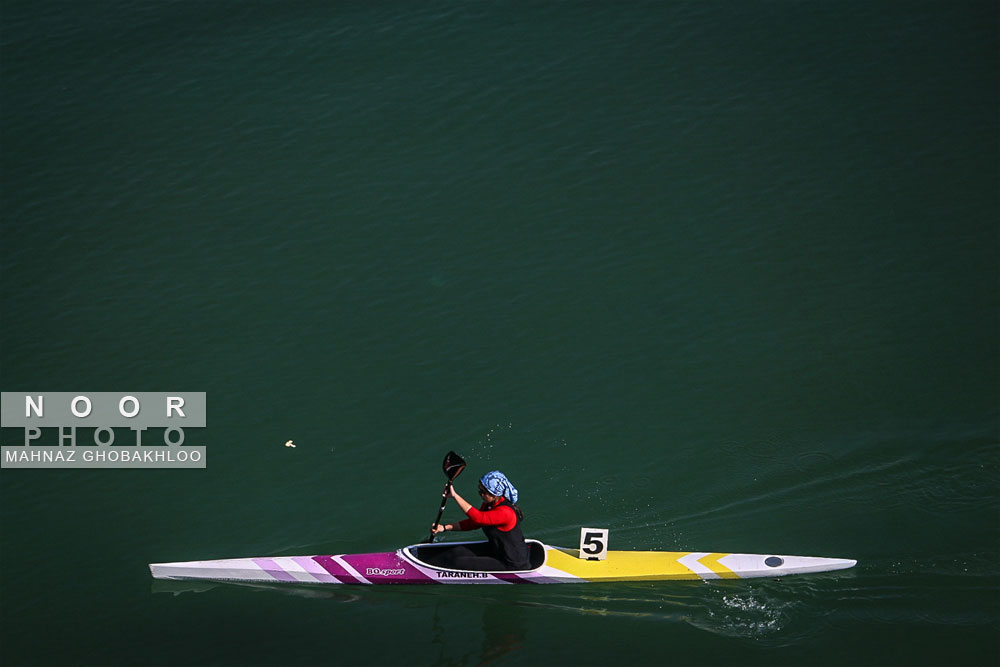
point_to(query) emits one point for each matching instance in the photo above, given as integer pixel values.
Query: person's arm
(462, 502)
(465, 524)
(465, 506)
(503, 517)
(441, 527)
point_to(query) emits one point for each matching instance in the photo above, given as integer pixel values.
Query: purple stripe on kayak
(334, 569)
(529, 578)
(314, 568)
(273, 569)
(386, 568)
(516, 578)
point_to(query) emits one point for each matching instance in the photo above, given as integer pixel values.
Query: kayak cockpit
(436, 556)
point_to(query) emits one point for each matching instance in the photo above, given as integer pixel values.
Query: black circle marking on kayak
(773, 561)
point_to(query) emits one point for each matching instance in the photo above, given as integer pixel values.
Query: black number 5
(592, 543)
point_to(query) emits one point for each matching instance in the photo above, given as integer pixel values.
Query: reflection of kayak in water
(416, 564)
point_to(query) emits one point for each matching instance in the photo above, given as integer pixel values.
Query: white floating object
(289, 444)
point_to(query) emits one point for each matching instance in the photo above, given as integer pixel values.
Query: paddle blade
(453, 465)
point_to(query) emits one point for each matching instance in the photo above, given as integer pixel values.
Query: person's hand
(438, 528)
(451, 490)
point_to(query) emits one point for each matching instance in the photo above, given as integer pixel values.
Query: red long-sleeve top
(504, 518)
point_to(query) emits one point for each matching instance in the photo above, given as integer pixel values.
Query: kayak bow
(550, 565)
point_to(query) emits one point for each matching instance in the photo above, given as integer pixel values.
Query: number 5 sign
(594, 543)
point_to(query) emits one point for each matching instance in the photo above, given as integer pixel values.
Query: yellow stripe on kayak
(628, 565)
(711, 561)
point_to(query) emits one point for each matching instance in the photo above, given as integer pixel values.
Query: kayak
(421, 564)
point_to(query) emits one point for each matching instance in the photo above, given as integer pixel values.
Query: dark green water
(718, 277)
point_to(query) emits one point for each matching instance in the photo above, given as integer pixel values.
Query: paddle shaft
(444, 501)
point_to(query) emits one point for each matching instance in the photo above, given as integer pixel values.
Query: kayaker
(500, 518)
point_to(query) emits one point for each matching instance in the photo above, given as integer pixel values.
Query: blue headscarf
(498, 485)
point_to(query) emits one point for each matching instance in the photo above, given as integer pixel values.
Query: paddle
(453, 465)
